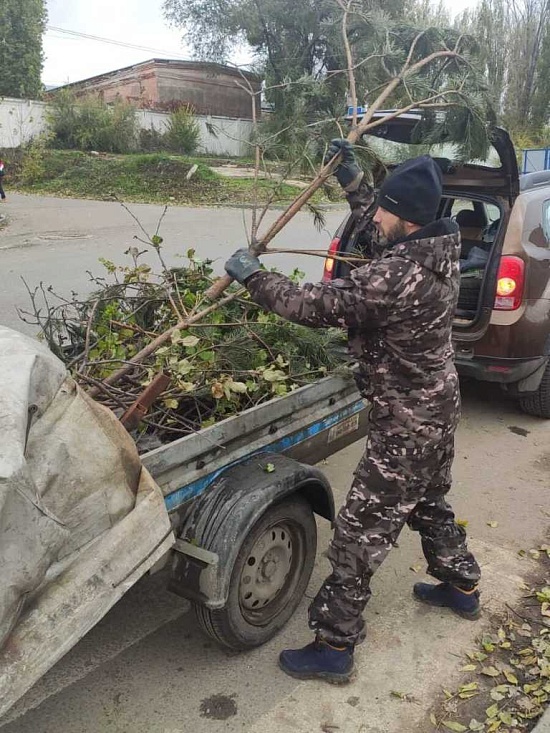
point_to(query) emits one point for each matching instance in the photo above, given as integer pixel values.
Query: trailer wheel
(269, 577)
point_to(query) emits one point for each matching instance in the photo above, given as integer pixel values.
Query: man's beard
(397, 233)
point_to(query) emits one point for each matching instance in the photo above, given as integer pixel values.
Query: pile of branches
(235, 358)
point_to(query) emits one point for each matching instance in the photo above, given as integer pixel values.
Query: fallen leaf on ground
(512, 679)
(452, 725)
(475, 725)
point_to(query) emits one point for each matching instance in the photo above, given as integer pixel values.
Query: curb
(543, 726)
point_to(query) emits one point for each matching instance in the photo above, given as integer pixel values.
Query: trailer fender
(222, 517)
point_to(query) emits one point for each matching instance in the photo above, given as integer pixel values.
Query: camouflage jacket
(363, 237)
(398, 310)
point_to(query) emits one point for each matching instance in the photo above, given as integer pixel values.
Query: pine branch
(408, 69)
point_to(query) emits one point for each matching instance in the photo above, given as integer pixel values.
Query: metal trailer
(231, 508)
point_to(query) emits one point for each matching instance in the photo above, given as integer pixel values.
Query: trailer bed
(309, 424)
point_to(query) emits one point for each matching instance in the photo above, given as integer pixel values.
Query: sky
(137, 22)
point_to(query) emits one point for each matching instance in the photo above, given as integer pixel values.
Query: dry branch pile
(234, 358)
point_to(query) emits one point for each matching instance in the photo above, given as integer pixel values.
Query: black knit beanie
(413, 191)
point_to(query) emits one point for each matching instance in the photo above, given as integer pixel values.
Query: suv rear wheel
(538, 403)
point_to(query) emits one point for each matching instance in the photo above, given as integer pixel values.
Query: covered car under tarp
(71, 489)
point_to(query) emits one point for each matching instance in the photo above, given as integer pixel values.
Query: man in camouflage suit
(398, 310)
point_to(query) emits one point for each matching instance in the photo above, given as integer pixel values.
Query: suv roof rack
(534, 180)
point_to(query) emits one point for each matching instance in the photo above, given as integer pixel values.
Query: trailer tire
(269, 578)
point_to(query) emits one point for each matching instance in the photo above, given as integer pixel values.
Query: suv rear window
(392, 152)
(478, 220)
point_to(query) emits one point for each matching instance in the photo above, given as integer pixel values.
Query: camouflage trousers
(388, 491)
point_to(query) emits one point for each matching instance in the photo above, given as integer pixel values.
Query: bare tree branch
(355, 134)
(349, 56)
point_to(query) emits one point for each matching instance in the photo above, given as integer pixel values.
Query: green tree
(183, 133)
(529, 19)
(490, 24)
(301, 55)
(22, 24)
(426, 14)
(540, 112)
(514, 49)
(290, 39)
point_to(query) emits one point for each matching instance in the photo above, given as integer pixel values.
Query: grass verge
(147, 178)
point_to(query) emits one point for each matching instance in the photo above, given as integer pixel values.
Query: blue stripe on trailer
(179, 496)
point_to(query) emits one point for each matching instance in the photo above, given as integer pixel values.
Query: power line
(113, 42)
(79, 34)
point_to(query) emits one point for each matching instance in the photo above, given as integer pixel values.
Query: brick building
(211, 89)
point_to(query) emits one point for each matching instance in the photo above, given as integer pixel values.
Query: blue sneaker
(320, 661)
(464, 603)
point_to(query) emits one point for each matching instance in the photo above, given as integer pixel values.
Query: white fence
(219, 135)
(22, 119)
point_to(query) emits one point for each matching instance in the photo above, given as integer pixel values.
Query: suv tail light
(328, 272)
(510, 281)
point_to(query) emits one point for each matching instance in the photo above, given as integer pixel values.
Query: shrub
(151, 140)
(90, 124)
(33, 166)
(531, 138)
(183, 132)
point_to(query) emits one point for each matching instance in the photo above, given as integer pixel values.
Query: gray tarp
(68, 470)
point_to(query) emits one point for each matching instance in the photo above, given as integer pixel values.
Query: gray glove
(241, 265)
(348, 174)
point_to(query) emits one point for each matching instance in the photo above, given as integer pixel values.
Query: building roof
(211, 66)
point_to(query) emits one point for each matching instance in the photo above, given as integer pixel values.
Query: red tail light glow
(328, 272)
(510, 282)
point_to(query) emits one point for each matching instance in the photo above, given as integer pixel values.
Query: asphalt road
(146, 668)
(57, 241)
